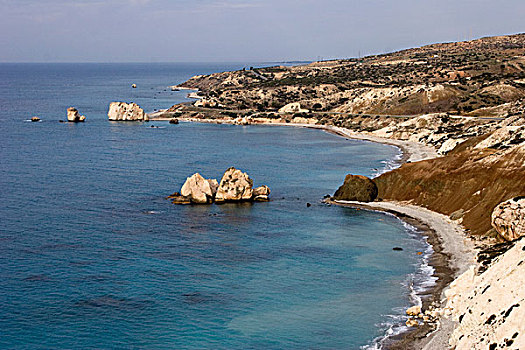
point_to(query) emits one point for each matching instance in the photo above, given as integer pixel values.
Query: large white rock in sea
(198, 189)
(126, 112)
(508, 218)
(235, 186)
(74, 116)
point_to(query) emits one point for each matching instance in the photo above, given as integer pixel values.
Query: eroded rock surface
(121, 111)
(234, 186)
(508, 218)
(198, 189)
(357, 188)
(490, 307)
(261, 194)
(74, 116)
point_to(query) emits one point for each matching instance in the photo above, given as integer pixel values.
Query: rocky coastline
(457, 112)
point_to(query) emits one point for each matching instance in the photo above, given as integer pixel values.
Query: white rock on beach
(235, 186)
(508, 218)
(122, 111)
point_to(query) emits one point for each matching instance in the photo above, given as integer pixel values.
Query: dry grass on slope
(472, 180)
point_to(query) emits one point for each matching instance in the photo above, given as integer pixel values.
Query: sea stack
(73, 115)
(235, 186)
(122, 111)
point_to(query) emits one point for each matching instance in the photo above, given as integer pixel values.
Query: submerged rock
(126, 112)
(74, 116)
(508, 218)
(357, 188)
(177, 198)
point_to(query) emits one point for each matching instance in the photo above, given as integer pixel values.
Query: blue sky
(239, 30)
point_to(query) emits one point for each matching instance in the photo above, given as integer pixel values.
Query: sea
(92, 255)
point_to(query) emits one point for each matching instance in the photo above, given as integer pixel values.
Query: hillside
(484, 77)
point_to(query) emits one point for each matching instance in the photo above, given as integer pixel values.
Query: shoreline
(449, 259)
(411, 151)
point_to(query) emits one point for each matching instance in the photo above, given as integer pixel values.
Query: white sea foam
(417, 283)
(389, 165)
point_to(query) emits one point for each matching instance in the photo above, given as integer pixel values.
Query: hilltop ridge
(483, 77)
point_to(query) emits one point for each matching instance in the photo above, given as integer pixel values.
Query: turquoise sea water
(93, 256)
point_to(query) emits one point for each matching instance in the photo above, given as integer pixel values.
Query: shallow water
(93, 256)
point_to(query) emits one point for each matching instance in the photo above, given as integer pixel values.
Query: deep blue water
(93, 256)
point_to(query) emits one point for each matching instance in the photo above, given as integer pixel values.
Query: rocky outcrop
(438, 129)
(294, 107)
(508, 218)
(357, 188)
(489, 307)
(261, 194)
(121, 111)
(198, 189)
(73, 115)
(234, 186)
(449, 145)
(504, 137)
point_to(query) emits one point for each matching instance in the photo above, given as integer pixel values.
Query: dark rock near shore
(357, 188)
(174, 121)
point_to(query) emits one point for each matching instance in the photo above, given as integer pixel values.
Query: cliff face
(490, 307)
(470, 178)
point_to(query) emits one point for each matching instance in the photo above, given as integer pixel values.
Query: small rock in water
(134, 86)
(397, 248)
(308, 205)
(174, 121)
(61, 121)
(35, 119)
(74, 116)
